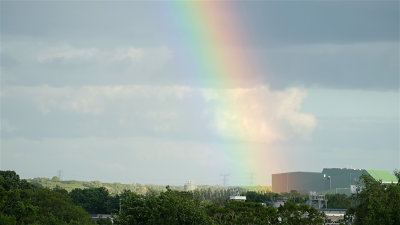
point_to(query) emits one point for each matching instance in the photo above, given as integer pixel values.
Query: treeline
(113, 188)
(143, 189)
(377, 203)
(175, 207)
(25, 203)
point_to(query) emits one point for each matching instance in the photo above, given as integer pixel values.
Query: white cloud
(130, 53)
(259, 114)
(249, 114)
(65, 52)
(6, 127)
(47, 53)
(91, 99)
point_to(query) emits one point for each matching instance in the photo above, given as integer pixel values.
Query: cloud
(65, 52)
(362, 65)
(358, 65)
(165, 161)
(248, 114)
(6, 127)
(91, 99)
(128, 53)
(259, 114)
(36, 51)
(32, 62)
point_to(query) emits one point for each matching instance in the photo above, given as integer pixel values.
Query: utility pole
(251, 179)
(59, 174)
(330, 183)
(225, 179)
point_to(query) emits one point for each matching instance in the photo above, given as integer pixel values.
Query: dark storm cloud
(352, 45)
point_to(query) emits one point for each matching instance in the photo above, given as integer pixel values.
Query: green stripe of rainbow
(216, 40)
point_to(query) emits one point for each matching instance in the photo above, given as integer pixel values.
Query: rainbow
(215, 41)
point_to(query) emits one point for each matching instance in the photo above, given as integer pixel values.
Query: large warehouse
(330, 180)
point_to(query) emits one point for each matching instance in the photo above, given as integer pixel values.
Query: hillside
(115, 188)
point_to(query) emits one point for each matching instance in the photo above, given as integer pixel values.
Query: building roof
(383, 175)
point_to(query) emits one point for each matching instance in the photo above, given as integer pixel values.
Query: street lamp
(330, 182)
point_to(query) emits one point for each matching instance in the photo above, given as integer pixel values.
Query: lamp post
(330, 183)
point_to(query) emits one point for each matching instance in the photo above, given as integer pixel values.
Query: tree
(95, 200)
(292, 214)
(104, 221)
(339, 201)
(9, 180)
(55, 178)
(236, 212)
(170, 207)
(252, 196)
(378, 203)
(22, 203)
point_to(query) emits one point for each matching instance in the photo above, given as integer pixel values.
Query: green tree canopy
(378, 203)
(22, 203)
(293, 214)
(95, 200)
(169, 207)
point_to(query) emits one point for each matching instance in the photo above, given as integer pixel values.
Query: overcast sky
(103, 91)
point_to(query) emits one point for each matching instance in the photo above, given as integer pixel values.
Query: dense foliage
(95, 200)
(24, 203)
(252, 196)
(174, 207)
(236, 212)
(205, 192)
(170, 207)
(293, 196)
(295, 214)
(339, 201)
(378, 203)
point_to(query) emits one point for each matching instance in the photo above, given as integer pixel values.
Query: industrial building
(330, 180)
(302, 182)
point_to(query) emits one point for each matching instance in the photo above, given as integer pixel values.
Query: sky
(162, 92)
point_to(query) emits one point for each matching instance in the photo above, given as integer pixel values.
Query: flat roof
(297, 172)
(383, 175)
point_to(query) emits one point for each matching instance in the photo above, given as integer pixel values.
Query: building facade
(302, 182)
(330, 180)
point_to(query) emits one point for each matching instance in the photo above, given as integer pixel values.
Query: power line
(60, 174)
(225, 179)
(251, 179)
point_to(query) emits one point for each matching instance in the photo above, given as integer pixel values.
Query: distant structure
(60, 174)
(189, 186)
(334, 216)
(237, 197)
(96, 217)
(302, 182)
(251, 179)
(330, 180)
(225, 179)
(317, 201)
